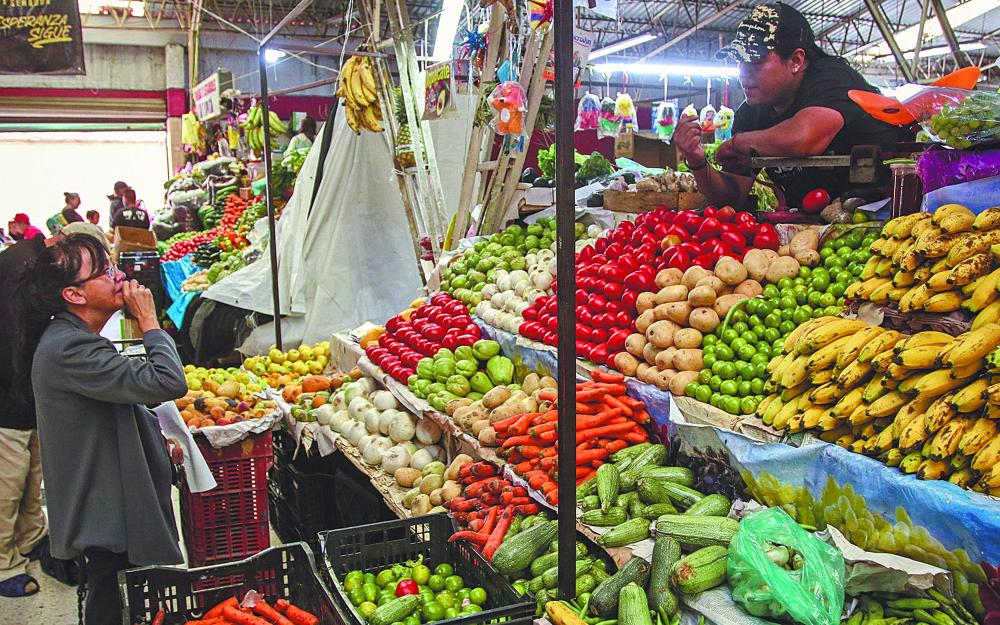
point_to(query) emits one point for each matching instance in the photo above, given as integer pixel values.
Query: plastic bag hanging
(509, 103)
(588, 113)
(664, 120)
(608, 125)
(625, 109)
(690, 111)
(707, 118)
(724, 124)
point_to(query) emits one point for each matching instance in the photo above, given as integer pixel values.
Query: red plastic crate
(240, 467)
(216, 545)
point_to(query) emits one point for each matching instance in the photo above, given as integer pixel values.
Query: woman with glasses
(106, 465)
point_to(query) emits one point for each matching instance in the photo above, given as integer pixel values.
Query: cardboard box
(646, 149)
(132, 240)
(645, 201)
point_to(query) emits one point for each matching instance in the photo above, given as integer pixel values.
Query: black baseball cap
(764, 28)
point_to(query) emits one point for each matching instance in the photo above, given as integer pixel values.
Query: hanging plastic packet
(690, 111)
(707, 118)
(509, 103)
(625, 108)
(609, 125)
(588, 113)
(664, 120)
(724, 124)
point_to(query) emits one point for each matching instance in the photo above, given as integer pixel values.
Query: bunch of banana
(879, 608)
(924, 403)
(936, 263)
(357, 86)
(253, 129)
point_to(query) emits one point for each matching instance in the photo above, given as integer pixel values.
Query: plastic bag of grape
(958, 117)
(777, 570)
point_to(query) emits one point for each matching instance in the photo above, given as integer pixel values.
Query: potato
(693, 274)
(626, 363)
(730, 271)
(703, 295)
(724, 303)
(663, 378)
(640, 371)
(479, 426)
(678, 383)
(500, 413)
(665, 359)
(809, 258)
(645, 301)
(450, 490)
(421, 505)
(488, 437)
(649, 353)
(436, 498)
(645, 320)
(687, 338)
(668, 277)
(456, 466)
(714, 282)
(528, 404)
(688, 360)
(674, 311)
(496, 397)
(634, 344)
(430, 483)
(756, 263)
(783, 267)
(676, 293)
(455, 404)
(650, 375)
(806, 240)
(548, 382)
(726, 291)
(530, 384)
(749, 287)
(405, 476)
(661, 333)
(771, 255)
(784, 251)
(704, 320)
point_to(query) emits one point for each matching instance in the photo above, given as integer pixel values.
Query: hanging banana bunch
(253, 129)
(357, 86)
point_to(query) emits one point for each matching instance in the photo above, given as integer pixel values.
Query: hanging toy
(588, 113)
(609, 124)
(510, 103)
(690, 111)
(625, 108)
(473, 47)
(541, 15)
(707, 118)
(664, 120)
(724, 124)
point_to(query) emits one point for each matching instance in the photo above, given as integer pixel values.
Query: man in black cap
(796, 106)
(116, 200)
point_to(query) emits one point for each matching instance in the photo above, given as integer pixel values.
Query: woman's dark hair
(308, 125)
(129, 195)
(38, 297)
(70, 196)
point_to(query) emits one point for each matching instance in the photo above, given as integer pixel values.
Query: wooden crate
(645, 201)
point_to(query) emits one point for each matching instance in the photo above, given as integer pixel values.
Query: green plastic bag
(812, 594)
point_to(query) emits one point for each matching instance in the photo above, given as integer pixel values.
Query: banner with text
(40, 37)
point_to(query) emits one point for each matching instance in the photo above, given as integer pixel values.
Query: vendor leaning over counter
(796, 106)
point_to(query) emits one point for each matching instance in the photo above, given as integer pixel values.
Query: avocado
(596, 200)
(629, 177)
(540, 182)
(529, 174)
(551, 183)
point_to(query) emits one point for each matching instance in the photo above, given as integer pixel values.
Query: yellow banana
(937, 382)
(887, 405)
(961, 373)
(948, 437)
(825, 334)
(991, 477)
(913, 408)
(826, 356)
(977, 436)
(794, 335)
(880, 443)
(825, 394)
(879, 343)
(910, 463)
(939, 281)
(944, 210)
(772, 409)
(787, 412)
(938, 414)
(918, 357)
(988, 219)
(933, 470)
(969, 244)
(870, 286)
(962, 478)
(944, 302)
(988, 314)
(880, 363)
(795, 373)
(855, 374)
(973, 268)
(958, 221)
(848, 403)
(905, 225)
(764, 403)
(909, 384)
(844, 441)
(987, 456)
(832, 434)
(811, 418)
(976, 345)
(868, 271)
(971, 398)
(819, 378)
(941, 245)
(913, 435)
(892, 457)
(790, 393)
(875, 388)
(903, 279)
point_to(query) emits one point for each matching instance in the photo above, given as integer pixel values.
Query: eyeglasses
(111, 272)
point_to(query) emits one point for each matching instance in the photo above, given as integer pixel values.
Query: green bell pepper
(443, 353)
(464, 352)
(444, 369)
(474, 396)
(480, 382)
(422, 388)
(459, 385)
(500, 369)
(484, 350)
(425, 368)
(467, 368)
(435, 387)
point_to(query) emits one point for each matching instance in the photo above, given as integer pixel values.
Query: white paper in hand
(199, 476)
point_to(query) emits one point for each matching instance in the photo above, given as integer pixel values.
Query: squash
(315, 383)
(371, 336)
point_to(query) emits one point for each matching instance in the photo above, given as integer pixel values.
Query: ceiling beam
(687, 33)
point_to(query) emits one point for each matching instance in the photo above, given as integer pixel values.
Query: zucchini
(547, 561)
(679, 475)
(655, 510)
(666, 552)
(711, 505)
(636, 507)
(631, 531)
(550, 578)
(395, 610)
(536, 584)
(632, 606)
(657, 490)
(655, 456)
(587, 488)
(623, 500)
(693, 532)
(629, 452)
(513, 528)
(604, 599)
(701, 570)
(521, 550)
(614, 516)
(608, 482)
(585, 583)
(599, 575)
(591, 502)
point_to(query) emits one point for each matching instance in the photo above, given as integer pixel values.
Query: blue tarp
(174, 273)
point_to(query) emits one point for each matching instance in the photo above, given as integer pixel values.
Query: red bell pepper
(406, 587)
(629, 299)
(735, 240)
(704, 260)
(709, 229)
(710, 212)
(726, 214)
(767, 238)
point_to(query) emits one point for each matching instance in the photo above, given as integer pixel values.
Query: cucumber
(614, 516)
(679, 475)
(629, 452)
(666, 552)
(693, 532)
(656, 510)
(599, 575)
(608, 482)
(395, 610)
(547, 561)
(521, 550)
(591, 502)
(631, 531)
(604, 599)
(701, 570)
(636, 508)
(623, 500)
(550, 578)
(711, 505)
(657, 490)
(536, 584)
(632, 606)
(587, 488)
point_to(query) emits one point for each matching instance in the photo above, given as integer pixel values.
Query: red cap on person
(21, 218)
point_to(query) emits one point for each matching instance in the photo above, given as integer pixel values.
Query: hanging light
(624, 44)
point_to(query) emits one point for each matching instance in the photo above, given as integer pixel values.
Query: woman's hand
(687, 138)
(139, 301)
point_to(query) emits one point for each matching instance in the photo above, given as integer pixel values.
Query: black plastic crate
(309, 501)
(358, 502)
(372, 548)
(287, 572)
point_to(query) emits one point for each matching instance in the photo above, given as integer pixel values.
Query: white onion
(521, 308)
(355, 390)
(552, 266)
(593, 231)
(532, 294)
(530, 259)
(384, 400)
(338, 419)
(512, 303)
(324, 413)
(504, 283)
(375, 450)
(490, 316)
(489, 291)
(368, 384)
(428, 432)
(385, 419)
(410, 446)
(365, 440)
(395, 458)
(497, 300)
(521, 287)
(355, 430)
(421, 459)
(372, 418)
(544, 256)
(357, 408)
(541, 279)
(402, 428)
(514, 324)
(339, 401)
(482, 307)
(435, 451)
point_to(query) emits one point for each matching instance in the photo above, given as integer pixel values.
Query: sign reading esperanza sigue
(40, 37)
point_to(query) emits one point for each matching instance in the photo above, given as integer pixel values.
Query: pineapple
(404, 142)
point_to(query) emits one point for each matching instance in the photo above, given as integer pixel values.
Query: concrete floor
(55, 603)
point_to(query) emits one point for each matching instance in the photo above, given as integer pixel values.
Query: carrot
(614, 446)
(582, 435)
(547, 463)
(551, 416)
(548, 437)
(613, 388)
(241, 618)
(548, 395)
(497, 536)
(583, 457)
(270, 613)
(582, 470)
(506, 423)
(532, 473)
(581, 480)
(216, 612)
(548, 486)
(614, 402)
(530, 451)
(159, 618)
(632, 402)
(635, 436)
(297, 615)
(537, 481)
(521, 426)
(529, 508)
(541, 429)
(591, 408)
(483, 469)
(618, 420)
(587, 444)
(600, 375)
(552, 497)
(476, 537)
(491, 520)
(641, 417)
(590, 395)
(590, 421)
(214, 621)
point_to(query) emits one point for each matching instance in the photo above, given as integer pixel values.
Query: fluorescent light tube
(273, 55)
(618, 46)
(671, 70)
(444, 39)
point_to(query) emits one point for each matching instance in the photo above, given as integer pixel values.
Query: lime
(748, 405)
(747, 352)
(757, 386)
(766, 307)
(802, 297)
(728, 335)
(772, 321)
(707, 360)
(729, 388)
(771, 335)
(714, 399)
(805, 272)
(785, 283)
(832, 311)
(445, 598)
(789, 292)
(708, 351)
(691, 389)
(817, 313)
(369, 578)
(453, 583)
(801, 315)
(837, 289)
(770, 292)
(827, 299)
(837, 243)
(704, 375)
(835, 261)
(727, 371)
(435, 582)
(420, 574)
(787, 326)
(444, 569)
(740, 368)
(477, 596)
(797, 281)
(740, 327)
(756, 321)
(471, 608)
(744, 388)
(759, 358)
(366, 609)
(714, 383)
(433, 611)
(738, 316)
(724, 352)
(708, 340)
(854, 240)
(385, 597)
(751, 306)
(758, 331)
(703, 393)
(841, 301)
(732, 405)
(357, 596)
(737, 343)
(819, 283)
(845, 252)
(462, 595)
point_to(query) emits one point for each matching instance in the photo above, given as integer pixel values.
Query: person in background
(107, 467)
(132, 215)
(67, 215)
(94, 217)
(20, 228)
(116, 199)
(306, 136)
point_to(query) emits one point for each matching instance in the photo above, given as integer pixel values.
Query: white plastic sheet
(348, 262)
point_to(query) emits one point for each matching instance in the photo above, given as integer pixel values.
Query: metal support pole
(886, 30)
(949, 34)
(272, 246)
(924, 9)
(566, 293)
(687, 33)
